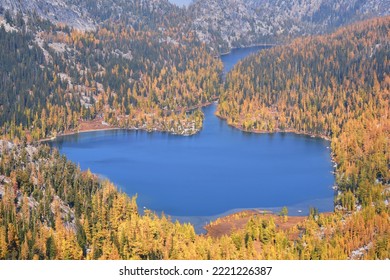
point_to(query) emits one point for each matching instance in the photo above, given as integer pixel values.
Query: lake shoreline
(106, 127)
(265, 45)
(225, 225)
(100, 125)
(293, 131)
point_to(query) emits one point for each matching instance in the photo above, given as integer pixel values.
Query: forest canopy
(53, 78)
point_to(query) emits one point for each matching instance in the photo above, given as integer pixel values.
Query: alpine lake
(216, 172)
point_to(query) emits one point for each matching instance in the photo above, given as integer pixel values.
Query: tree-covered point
(312, 85)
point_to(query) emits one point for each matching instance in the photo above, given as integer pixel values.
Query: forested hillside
(142, 64)
(87, 15)
(336, 86)
(221, 24)
(49, 209)
(235, 23)
(123, 73)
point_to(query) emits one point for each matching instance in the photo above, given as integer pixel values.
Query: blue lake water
(230, 59)
(215, 172)
(181, 3)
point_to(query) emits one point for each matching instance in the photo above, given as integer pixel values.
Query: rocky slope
(84, 15)
(223, 24)
(57, 11)
(234, 23)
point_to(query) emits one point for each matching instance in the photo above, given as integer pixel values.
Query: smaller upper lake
(181, 3)
(231, 59)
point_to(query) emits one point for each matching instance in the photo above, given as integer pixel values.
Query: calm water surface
(181, 3)
(230, 59)
(215, 172)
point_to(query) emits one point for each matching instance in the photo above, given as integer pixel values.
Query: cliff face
(234, 23)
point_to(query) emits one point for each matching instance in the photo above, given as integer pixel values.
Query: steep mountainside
(335, 86)
(57, 11)
(233, 23)
(222, 24)
(85, 15)
(128, 71)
